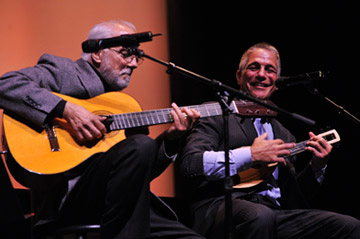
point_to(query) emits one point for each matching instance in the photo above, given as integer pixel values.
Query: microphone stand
(218, 86)
(223, 93)
(339, 108)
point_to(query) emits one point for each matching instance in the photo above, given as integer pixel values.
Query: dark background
(209, 37)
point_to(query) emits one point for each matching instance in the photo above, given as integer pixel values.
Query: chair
(51, 230)
(12, 221)
(15, 219)
(15, 204)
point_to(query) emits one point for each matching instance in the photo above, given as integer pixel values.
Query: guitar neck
(299, 147)
(163, 116)
(330, 136)
(155, 117)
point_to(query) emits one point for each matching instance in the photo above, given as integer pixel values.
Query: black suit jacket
(208, 135)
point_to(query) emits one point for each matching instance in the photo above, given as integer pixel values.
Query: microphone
(302, 79)
(126, 40)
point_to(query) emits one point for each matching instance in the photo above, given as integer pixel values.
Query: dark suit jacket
(27, 93)
(208, 135)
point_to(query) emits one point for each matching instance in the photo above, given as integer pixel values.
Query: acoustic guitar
(52, 150)
(256, 175)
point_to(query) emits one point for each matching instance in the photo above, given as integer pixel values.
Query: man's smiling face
(260, 73)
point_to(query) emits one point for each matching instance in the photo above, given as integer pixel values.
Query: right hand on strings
(86, 127)
(268, 151)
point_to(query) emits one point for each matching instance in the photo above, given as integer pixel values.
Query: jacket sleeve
(205, 136)
(191, 144)
(27, 92)
(309, 185)
(163, 160)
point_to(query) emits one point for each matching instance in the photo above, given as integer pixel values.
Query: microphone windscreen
(89, 46)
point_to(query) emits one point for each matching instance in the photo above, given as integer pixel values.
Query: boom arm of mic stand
(221, 87)
(339, 108)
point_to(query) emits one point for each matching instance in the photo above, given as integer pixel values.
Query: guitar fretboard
(300, 147)
(330, 136)
(155, 117)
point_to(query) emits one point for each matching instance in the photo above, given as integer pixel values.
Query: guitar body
(254, 176)
(31, 148)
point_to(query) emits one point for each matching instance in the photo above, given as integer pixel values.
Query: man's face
(115, 67)
(260, 73)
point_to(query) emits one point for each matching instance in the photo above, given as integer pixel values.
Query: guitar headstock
(251, 109)
(331, 136)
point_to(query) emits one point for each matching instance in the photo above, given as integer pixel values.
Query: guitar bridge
(54, 143)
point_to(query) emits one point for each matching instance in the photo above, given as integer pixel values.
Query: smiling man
(279, 206)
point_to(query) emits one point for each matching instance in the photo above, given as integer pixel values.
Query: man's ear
(97, 57)
(238, 77)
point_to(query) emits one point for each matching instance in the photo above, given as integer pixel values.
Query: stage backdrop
(30, 28)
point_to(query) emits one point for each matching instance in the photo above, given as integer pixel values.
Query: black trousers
(114, 191)
(260, 220)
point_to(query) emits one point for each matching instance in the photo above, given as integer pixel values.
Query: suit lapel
(89, 78)
(276, 129)
(247, 128)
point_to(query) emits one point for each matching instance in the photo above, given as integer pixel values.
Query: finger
(318, 151)
(287, 145)
(311, 135)
(313, 147)
(77, 131)
(197, 114)
(283, 152)
(84, 134)
(314, 137)
(263, 136)
(93, 128)
(176, 108)
(179, 113)
(101, 117)
(79, 137)
(278, 141)
(315, 152)
(317, 145)
(325, 144)
(91, 132)
(281, 160)
(176, 119)
(192, 116)
(189, 113)
(100, 129)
